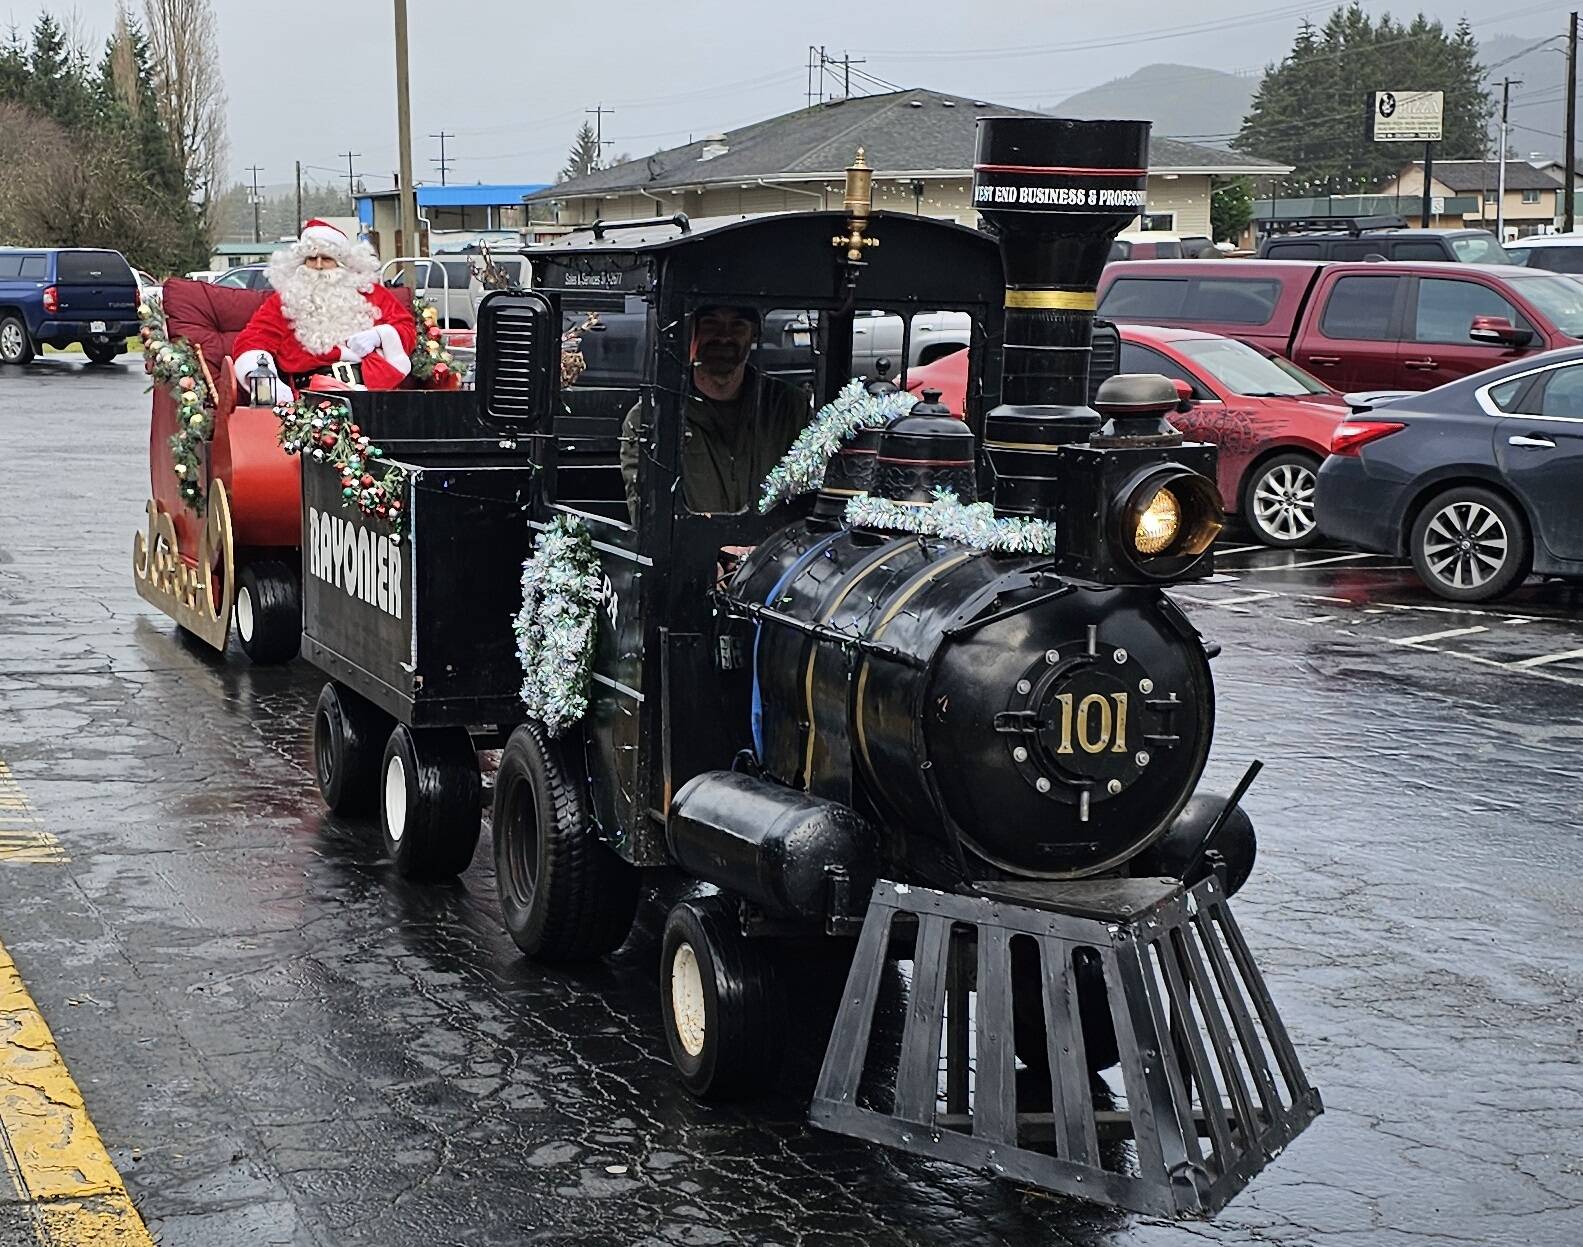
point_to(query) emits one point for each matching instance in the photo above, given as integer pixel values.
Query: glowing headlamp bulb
(1159, 524)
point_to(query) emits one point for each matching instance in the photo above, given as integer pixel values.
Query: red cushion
(207, 315)
(211, 316)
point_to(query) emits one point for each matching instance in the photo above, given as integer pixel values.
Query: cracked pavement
(282, 1043)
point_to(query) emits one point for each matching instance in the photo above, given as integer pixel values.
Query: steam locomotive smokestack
(1055, 193)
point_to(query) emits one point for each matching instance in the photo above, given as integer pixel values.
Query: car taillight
(1350, 436)
(51, 299)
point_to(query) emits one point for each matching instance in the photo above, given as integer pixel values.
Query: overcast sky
(309, 79)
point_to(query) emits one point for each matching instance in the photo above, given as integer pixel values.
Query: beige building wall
(1526, 218)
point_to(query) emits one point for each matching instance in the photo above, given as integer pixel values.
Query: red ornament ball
(366, 481)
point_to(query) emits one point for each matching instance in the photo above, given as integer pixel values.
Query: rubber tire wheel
(564, 893)
(743, 1002)
(25, 354)
(348, 733)
(441, 798)
(1260, 533)
(1519, 547)
(274, 609)
(102, 354)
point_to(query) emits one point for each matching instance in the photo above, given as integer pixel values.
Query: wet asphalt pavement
(283, 1043)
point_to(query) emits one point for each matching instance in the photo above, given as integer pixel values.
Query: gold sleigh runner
(186, 591)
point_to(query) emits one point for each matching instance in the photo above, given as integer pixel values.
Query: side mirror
(1499, 331)
(1184, 394)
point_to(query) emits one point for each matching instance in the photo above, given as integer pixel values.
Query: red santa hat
(321, 238)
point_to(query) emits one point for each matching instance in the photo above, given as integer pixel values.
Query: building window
(1489, 197)
(1157, 220)
(1530, 197)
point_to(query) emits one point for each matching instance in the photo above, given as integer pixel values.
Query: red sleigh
(238, 552)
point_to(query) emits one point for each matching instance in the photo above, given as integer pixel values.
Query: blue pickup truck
(54, 296)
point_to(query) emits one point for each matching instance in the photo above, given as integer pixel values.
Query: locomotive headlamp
(1138, 504)
(1170, 517)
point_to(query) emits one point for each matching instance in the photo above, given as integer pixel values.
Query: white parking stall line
(1240, 550)
(1231, 603)
(1543, 660)
(1436, 636)
(1297, 567)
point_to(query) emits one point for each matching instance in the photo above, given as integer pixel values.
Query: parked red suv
(1272, 422)
(1390, 325)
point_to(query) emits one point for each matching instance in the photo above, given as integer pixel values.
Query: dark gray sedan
(1479, 481)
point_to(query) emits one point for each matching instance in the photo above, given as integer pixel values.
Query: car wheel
(268, 613)
(721, 1001)
(431, 794)
(102, 353)
(564, 894)
(1469, 544)
(348, 733)
(1278, 501)
(15, 346)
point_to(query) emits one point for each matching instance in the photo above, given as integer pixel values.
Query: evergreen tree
(584, 158)
(1309, 111)
(1230, 208)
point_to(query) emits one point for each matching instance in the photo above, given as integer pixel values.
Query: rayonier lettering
(364, 563)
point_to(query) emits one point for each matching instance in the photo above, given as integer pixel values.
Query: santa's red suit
(316, 318)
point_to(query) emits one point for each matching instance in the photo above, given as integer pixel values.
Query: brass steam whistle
(859, 204)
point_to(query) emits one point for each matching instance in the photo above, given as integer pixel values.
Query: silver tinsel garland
(557, 625)
(974, 525)
(802, 467)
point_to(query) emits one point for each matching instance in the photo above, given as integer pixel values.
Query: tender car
(1271, 421)
(55, 296)
(1478, 481)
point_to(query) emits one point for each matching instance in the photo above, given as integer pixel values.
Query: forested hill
(1184, 101)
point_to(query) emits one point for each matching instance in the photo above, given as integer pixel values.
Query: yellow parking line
(54, 1155)
(22, 838)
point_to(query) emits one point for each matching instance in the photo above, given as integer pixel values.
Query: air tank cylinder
(1055, 193)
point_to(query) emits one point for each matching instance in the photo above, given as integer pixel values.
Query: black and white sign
(1406, 116)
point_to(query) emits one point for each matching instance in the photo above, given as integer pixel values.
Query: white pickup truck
(878, 335)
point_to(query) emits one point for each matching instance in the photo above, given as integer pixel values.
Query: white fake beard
(324, 306)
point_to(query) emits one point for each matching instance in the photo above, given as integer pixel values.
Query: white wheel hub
(396, 797)
(11, 340)
(244, 613)
(687, 999)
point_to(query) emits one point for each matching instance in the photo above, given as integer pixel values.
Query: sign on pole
(1406, 116)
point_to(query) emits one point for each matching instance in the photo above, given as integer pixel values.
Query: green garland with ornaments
(174, 364)
(431, 362)
(322, 428)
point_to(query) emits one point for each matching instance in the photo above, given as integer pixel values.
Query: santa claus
(327, 308)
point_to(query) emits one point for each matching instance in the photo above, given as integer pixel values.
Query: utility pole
(816, 60)
(407, 193)
(298, 229)
(255, 170)
(1569, 162)
(598, 114)
(351, 178)
(846, 62)
(1500, 184)
(442, 162)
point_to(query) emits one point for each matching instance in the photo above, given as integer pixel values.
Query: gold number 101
(1100, 722)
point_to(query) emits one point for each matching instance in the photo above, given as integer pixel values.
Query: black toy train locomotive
(971, 740)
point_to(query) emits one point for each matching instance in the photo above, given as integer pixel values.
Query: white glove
(364, 342)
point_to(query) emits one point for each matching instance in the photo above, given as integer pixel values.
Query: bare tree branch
(185, 55)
